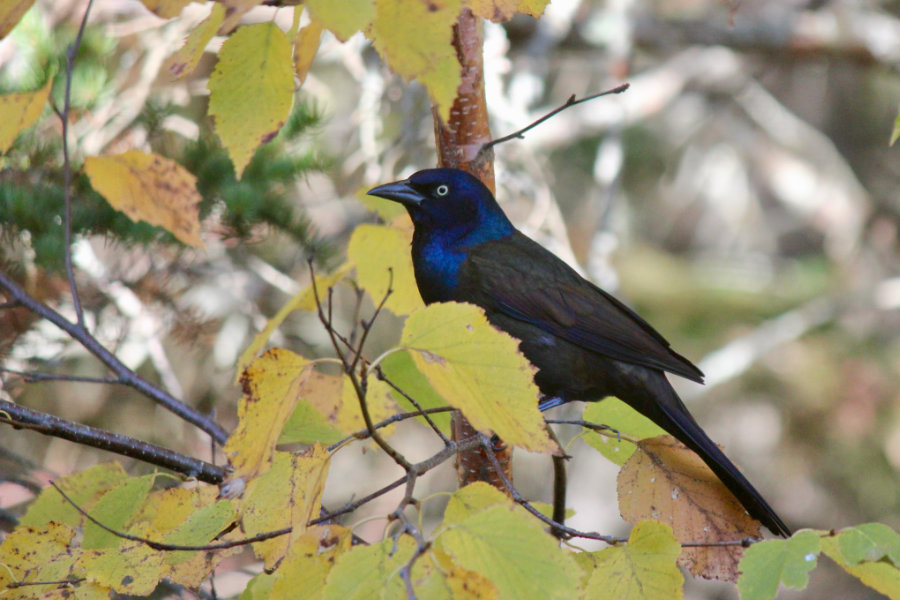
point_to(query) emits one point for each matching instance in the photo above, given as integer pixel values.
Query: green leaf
(415, 39)
(401, 370)
(624, 419)
(368, 572)
(115, 510)
(485, 532)
(766, 564)
(84, 488)
(869, 542)
(200, 527)
(251, 90)
(307, 425)
(881, 575)
(642, 569)
(381, 256)
(479, 370)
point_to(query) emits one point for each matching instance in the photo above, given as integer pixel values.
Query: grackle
(585, 344)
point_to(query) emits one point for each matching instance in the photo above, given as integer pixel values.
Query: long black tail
(667, 410)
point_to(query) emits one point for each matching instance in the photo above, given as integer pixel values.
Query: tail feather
(668, 411)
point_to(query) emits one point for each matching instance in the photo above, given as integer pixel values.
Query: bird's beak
(399, 191)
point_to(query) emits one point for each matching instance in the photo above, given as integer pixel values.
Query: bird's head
(448, 199)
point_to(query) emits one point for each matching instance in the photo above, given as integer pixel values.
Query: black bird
(585, 344)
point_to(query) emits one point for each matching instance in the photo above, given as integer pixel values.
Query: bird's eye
(442, 190)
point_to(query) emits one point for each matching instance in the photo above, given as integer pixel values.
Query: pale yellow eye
(442, 190)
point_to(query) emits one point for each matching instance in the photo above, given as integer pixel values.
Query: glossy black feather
(585, 344)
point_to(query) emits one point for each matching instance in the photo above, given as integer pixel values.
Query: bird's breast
(437, 271)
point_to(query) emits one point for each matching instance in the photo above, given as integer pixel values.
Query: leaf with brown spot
(271, 389)
(287, 495)
(185, 59)
(666, 482)
(504, 10)
(148, 187)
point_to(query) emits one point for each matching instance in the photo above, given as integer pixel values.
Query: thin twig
(126, 376)
(67, 165)
(379, 372)
(568, 104)
(38, 376)
(21, 417)
(364, 433)
(268, 535)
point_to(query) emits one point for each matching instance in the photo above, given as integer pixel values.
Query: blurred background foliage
(741, 195)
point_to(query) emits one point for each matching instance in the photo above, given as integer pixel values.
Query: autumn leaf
(344, 18)
(479, 370)
(882, 575)
(148, 187)
(503, 10)
(11, 12)
(308, 562)
(381, 256)
(185, 59)
(485, 532)
(166, 9)
(287, 495)
(667, 482)
(251, 90)
(414, 39)
(373, 571)
(306, 43)
(271, 389)
(642, 569)
(37, 554)
(83, 488)
(20, 110)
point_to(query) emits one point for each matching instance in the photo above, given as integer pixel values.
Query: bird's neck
(438, 255)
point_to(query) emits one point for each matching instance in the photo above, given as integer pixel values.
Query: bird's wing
(519, 278)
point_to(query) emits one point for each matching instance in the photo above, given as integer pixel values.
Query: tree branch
(21, 417)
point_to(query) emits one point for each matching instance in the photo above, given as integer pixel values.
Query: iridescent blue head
(451, 201)
(451, 211)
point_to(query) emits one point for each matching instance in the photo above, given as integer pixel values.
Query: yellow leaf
(287, 495)
(378, 399)
(131, 568)
(309, 561)
(303, 300)
(503, 10)
(642, 569)
(381, 256)
(306, 43)
(150, 188)
(344, 18)
(368, 572)
(166, 9)
(479, 370)
(492, 536)
(251, 90)
(271, 387)
(20, 110)
(667, 482)
(186, 58)
(11, 12)
(415, 39)
(882, 575)
(234, 11)
(36, 554)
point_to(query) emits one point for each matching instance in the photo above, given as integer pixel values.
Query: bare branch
(125, 375)
(21, 417)
(568, 104)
